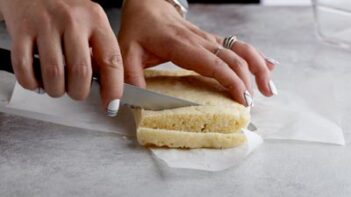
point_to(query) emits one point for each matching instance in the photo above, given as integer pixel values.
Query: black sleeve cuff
(110, 3)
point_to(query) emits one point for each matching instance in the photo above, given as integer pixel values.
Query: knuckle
(190, 42)
(173, 40)
(214, 72)
(217, 62)
(25, 29)
(71, 16)
(178, 44)
(70, 19)
(211, 38)
(241, 63)
(97, 12)
(81, 70)
(218, 40)
(45, 19)
(178, 32)
(112, 61)
(53, 71)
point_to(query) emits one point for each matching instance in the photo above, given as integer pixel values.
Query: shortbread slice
(204, 119)
(183, 139)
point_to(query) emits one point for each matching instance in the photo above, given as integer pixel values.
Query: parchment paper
(209, 159)
(285, 117)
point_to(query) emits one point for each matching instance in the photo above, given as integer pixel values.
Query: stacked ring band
(229, 41)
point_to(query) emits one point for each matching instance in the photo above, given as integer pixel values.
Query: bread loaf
(215, 123)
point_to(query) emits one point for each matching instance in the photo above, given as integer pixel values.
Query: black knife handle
(5, 59)
(6, 64)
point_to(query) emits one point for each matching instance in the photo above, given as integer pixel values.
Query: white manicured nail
(112, 108)
(272, 61)
(40, 91)
(248, 99)
(273, 87)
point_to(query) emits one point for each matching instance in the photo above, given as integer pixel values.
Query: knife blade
(132, 95)
(146, 99)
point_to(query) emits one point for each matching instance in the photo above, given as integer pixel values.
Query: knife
(132, 95)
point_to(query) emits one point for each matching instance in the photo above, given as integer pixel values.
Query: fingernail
(248, 99)
(272, 61)
(112, 108)
(273, 87)
(40, 91)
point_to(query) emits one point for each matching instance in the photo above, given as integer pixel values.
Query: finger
(257, 66)
(271, 63)
(78, 64)
(239, 66)
(206, 63)
(22, 62)
(133, 65)
(107, 55)
(51, 61)
(203, 34)
(235, 62)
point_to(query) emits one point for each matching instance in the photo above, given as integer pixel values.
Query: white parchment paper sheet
(209, 159)
(284, 117)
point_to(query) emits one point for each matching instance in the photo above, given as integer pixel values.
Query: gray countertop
(43, 159)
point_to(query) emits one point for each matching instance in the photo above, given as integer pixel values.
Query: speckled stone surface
(44, 159)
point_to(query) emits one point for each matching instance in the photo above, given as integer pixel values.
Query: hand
(153, 32)
(63, 31)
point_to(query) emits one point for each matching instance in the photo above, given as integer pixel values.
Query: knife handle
(5, 58)
(6, 64)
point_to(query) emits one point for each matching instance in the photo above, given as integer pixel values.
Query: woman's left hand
(153, 32)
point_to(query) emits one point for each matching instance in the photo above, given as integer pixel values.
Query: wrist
(180, 5)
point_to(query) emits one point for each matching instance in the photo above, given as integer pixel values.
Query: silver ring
(229, 41)
(218, 49)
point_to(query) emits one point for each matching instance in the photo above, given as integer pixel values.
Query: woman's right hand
(65, 32)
